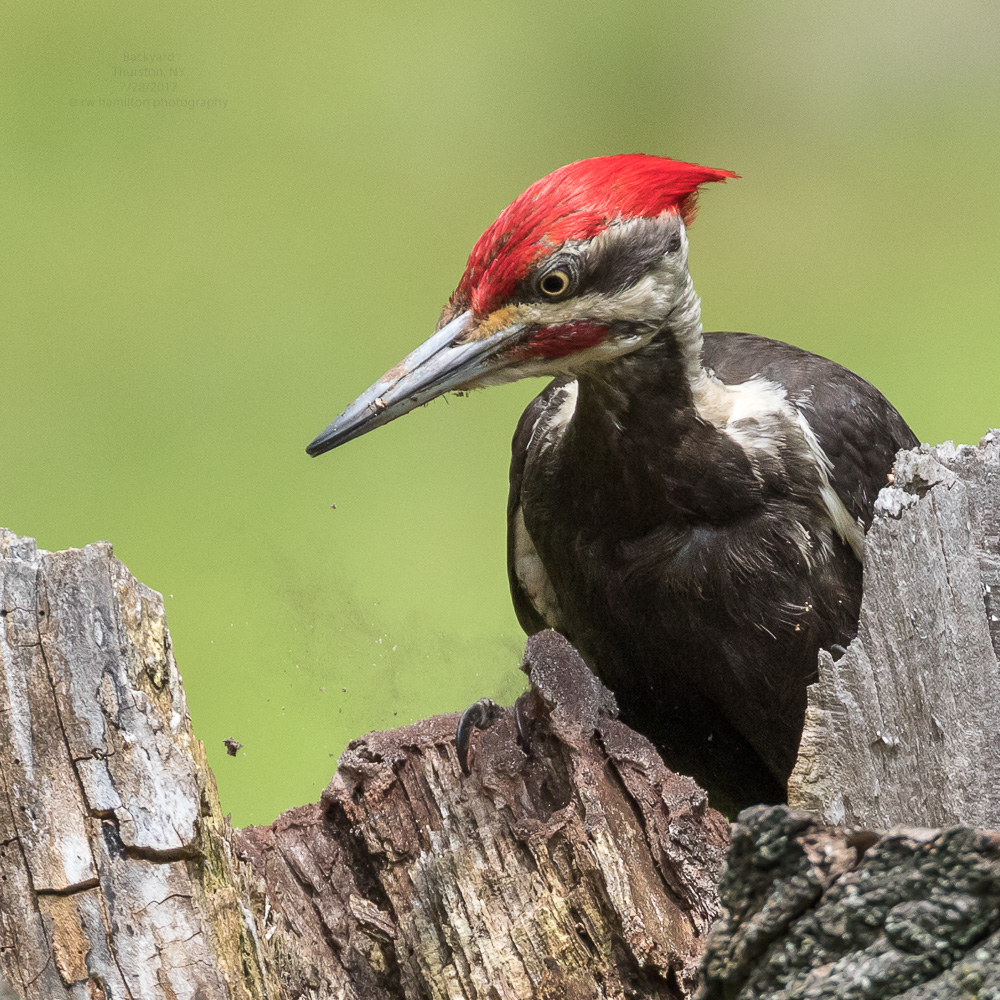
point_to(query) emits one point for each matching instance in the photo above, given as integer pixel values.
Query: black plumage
(697, 584)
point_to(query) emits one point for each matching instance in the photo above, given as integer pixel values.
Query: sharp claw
(481, 715)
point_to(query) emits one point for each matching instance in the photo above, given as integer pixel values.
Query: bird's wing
(857, 427)
(536, 419)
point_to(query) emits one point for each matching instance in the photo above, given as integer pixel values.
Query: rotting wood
(585, 870)
(587, 864)
(905, 727)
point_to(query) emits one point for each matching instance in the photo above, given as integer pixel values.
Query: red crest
(576, 202)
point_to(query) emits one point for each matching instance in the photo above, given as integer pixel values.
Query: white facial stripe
(566, 408)
(666, 291)
(570, 364)
(551, 423)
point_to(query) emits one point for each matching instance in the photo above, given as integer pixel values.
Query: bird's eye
(554, 284)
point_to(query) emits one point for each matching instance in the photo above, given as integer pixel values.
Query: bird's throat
(656, 384)
(650, 425)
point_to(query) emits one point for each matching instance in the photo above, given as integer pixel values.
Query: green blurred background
(189, 294)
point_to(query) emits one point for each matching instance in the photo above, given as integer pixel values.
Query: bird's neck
(683, 325)
(662, 381)
(647, 424)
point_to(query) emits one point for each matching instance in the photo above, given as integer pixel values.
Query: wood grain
(583, 869)
(905, 728)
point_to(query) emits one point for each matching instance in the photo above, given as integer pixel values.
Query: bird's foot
(564, 693)
(484, 714)
(481, 715)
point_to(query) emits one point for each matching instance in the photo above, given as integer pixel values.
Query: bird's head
(586, 265)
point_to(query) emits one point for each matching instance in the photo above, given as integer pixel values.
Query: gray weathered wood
(115, 875)
(585, 870)
(905, 727)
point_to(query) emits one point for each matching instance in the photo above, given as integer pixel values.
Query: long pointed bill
(437, 366)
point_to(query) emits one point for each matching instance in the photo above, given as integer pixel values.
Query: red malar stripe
(558, 341)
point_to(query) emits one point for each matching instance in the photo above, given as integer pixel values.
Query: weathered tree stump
(582, 869)
(586, 869)
(116, 877)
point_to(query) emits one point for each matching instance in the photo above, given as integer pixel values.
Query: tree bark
(585, 869)
(826, 913)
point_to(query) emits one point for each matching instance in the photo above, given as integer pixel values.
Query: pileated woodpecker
(688, 509)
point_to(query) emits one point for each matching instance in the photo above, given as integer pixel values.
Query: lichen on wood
(814, 912)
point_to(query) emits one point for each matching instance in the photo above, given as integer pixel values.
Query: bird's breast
(672, 546)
